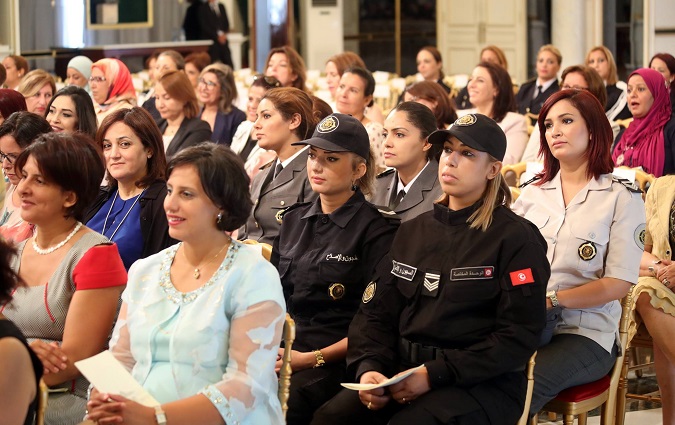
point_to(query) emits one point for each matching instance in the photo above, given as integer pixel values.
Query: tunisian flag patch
(521, 277)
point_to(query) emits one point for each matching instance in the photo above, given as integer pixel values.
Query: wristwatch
(652, 269)
(160, 416)
(553, 296)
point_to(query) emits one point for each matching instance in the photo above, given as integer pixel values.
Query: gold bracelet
(319, 358)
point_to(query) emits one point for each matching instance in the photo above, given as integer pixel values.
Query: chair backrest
(266, 249)
(515, 193)
(524, 419)
(624, 123)
(286, 370)
(514, 170)
(644, 179)
(609, 408)
(42, 403)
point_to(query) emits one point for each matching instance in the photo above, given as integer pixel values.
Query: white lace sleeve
(120, 343)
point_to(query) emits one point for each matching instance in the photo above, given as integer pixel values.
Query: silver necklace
(105, 223)
(59, 245)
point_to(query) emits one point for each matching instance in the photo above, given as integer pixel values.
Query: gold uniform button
(282, 203)
(336, 291)
(256, 201)
(256, 225)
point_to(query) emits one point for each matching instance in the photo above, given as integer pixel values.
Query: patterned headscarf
(118, 76)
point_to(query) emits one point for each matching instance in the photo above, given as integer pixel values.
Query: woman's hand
(53, 359)
(113, 409)
(299, 361)
(377, 398)
(411, 387)
(666, 274)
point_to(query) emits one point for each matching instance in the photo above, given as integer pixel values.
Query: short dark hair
(141, 123)
(11, 101)
(599, 146)
(431, 91)
(320, 108)
(593, 80)
(216, 164)
(71, 161)
(436, 55)
(505, 101)
(290, 101)
(199, 59)
(422, 119)
(669, 60)
(367, 78)
(295, 63)
(9, 279)
(84, 108)
(24, 127)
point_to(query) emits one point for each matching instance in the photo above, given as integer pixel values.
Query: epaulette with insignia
(385, 173)
(627, 183)
(268, 165)
(388, 213)
(532, 180)
(279, 216)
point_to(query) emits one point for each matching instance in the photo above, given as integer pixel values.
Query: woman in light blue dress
(201, 321)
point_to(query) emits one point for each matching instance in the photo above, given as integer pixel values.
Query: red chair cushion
(585, 391)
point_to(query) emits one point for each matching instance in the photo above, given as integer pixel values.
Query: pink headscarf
(642, 143)
(119, 77)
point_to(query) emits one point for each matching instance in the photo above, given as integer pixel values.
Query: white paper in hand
(391, 381)
(108, 375)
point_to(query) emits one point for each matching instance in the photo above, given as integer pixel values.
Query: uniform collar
(448, 216)
(342, 215)
(603, 182)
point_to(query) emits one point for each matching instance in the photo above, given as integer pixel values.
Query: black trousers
(221, 52)
(311, 388)
(444, 406)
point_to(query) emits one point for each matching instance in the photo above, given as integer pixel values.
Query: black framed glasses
(94, 79)
(10, 157)
(209, 84)
(269, 82)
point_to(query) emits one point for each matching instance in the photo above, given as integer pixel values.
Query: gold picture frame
(129, 14)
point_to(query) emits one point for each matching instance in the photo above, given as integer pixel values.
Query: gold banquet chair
(43, 391)
(288, 337)
(530, 388)
(581, 399)
(513, 172)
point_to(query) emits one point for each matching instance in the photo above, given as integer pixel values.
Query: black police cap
(340, 133)
(476, 131)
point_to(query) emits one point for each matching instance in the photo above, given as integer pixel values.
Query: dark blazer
(525, 101)
(226, 125)
(210, 24)
(154, 226)
(419, 199)
(272, 196)
(462, 99)
(149, 105)
(191, 132)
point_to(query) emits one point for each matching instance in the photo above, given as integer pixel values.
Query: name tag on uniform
(403, 271)
(472, 273)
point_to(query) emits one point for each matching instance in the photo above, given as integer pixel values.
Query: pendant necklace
(197, 274)
(59, 245)
(105, 223)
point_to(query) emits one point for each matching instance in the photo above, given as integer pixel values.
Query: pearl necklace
(59, 245)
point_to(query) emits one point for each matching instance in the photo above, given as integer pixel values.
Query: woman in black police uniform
(326, 253)
(461, 292)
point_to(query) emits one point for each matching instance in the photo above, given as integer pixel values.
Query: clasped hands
(116, 409)
(409, 389)
(666, 274)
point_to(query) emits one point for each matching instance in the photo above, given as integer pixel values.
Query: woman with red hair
(592, 224)
(649, 140)
(111, 87)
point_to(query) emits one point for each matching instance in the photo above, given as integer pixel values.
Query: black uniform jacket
(478, 297)
(154, 226)
(525, 98)
(325, 262)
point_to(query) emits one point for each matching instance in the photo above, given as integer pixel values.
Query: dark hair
(141, 123)
(178, 86)
(295, 63)
(499, 53)
(20, 62)
(320, 108)
(176, 57)
(3, 74)
(670, 63)
(216, 164)
(593, 80)
(505, 101)
(84, 109)
(153, 55)
(24, 127)
(228, 88)
(598, 152)
(9, 279)
(72, 162)
(367, 78)
(431, 91)
(437, 57)
(265, 81)
(11, 101)
(290, 101)
(421, 117)
(199, 59)
(346, 60)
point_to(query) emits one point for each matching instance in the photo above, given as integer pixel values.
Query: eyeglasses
(270, 82)
(209, 84)
(10, 157)
(565, 87)
(93, 79)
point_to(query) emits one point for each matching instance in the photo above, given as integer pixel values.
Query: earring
(354, 187)
(219, 217)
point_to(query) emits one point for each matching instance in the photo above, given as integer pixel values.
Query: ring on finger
(666, 281)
